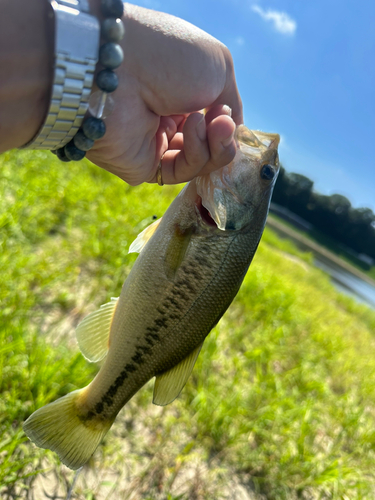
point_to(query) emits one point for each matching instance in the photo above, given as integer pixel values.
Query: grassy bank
(281, 401)
(327, 246)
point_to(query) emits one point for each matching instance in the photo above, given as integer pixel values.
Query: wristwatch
(77, 35)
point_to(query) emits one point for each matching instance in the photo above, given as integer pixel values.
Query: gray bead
(93, 128)
(60, 153)
(82, 142)
(113, 29)
(107, 80)
(112, 8)
(111, 55)
(73, 153)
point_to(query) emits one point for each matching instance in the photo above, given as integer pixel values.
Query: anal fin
(93, 332)
(169, 384)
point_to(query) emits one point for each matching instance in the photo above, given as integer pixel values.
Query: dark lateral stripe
(99, 407)
(107, 399)
(184, 290)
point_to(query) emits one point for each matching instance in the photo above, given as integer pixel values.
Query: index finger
(230, 94)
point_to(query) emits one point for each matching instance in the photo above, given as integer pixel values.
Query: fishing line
(74, 483)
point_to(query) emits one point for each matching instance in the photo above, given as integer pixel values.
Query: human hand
(171, 71)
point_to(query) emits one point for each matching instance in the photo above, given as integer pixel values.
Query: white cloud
(240, 40)
(281, 21)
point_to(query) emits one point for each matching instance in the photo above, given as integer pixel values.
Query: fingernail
(227, 110)
(201, 129)
(227, 141)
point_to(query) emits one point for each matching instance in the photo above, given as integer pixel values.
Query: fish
(190, 266)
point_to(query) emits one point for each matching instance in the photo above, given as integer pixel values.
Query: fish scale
(168, 349)
(191, 265)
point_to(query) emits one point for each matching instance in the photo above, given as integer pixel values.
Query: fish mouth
(204, 214)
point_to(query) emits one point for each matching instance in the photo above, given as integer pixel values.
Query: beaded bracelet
(100, 104)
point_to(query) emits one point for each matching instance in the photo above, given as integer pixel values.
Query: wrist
(27, 33)
(77, 33)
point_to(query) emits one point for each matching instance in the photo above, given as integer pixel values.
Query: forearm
(26, 62)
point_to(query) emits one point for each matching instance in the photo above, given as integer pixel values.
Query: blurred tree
(338, 216)
(293, 191)
(333, 215)
(339, 205)
(299, 193)
(361, 231)
(280, 188)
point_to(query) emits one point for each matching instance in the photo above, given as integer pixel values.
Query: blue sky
(307, 71)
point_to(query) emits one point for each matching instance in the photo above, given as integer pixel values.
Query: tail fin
(58, 427)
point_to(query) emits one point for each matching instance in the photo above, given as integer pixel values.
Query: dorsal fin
(169, 384)
(143, 237)
(93, 332)
(243, 134)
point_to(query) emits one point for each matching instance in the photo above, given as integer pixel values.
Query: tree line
(332, 215)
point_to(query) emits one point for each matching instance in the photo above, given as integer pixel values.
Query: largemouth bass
(191, 265)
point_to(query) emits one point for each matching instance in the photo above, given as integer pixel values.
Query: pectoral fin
(143, 237)
(176, 250)
(169, 384)
(93, 332)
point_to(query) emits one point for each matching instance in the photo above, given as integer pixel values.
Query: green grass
(282, 398)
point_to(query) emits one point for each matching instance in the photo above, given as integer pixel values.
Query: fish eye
(267, 173)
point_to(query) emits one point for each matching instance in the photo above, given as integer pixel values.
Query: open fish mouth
(203, 213)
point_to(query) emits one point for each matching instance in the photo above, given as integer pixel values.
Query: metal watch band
(77, 36)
